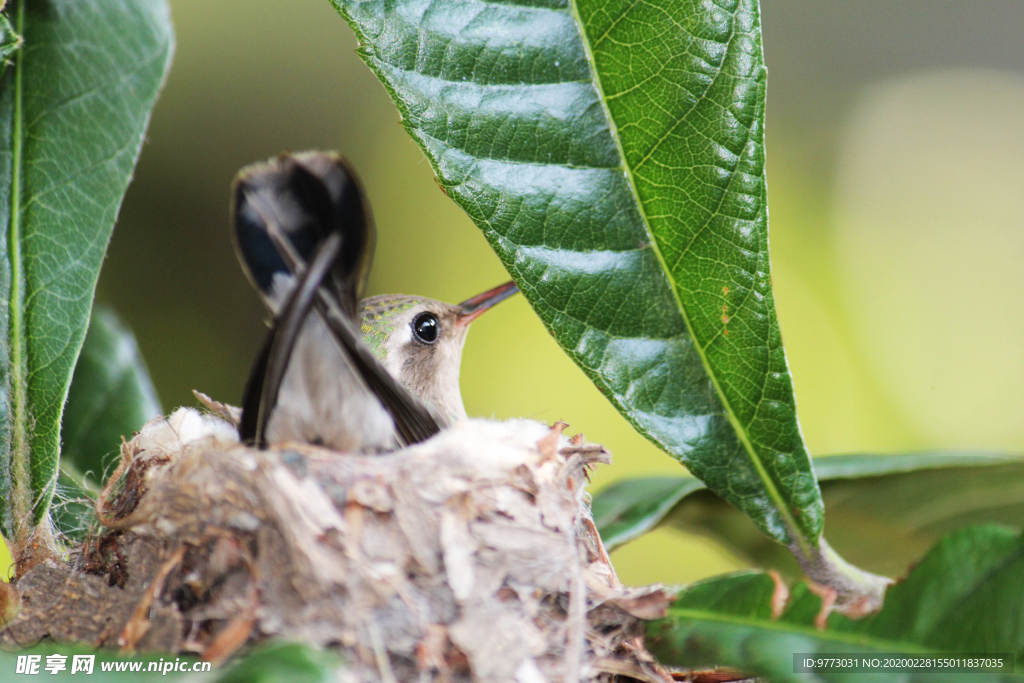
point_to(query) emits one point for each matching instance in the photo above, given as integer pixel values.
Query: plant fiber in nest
(471, 556)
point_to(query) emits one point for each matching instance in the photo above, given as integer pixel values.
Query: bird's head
(420, 342)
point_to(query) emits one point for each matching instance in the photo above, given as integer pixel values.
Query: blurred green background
(896, 176)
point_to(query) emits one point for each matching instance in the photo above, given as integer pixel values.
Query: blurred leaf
(73, 508)
(73, 108)
(965, 596)
(111, 397)
(884, 510)
(613, 155)
(630, 507)
(282, 663)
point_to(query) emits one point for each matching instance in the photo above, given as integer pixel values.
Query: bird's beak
(473, 308)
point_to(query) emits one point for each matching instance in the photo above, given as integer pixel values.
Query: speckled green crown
(378, 320)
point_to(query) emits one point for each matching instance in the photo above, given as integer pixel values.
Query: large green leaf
(111, 397)
(884, 510)
(965, 596)
(613, 154)
(73, 108)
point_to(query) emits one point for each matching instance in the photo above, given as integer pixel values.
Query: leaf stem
(858, 592)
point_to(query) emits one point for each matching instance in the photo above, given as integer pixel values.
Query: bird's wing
(266, 209)
(307, 197)
(268, 372)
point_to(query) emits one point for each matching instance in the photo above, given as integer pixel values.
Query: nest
(471, 556)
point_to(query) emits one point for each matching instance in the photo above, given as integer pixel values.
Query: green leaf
(884, 510)
(965, 596)
(73, 508)
(282, 663)
(73, 108)
(631, 507)
(111, 397)
(613, 154)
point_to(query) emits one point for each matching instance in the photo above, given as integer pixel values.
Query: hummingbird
(336, 370)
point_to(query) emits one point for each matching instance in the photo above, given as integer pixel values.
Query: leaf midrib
(782, 626)
(741, 432)
(16, 337)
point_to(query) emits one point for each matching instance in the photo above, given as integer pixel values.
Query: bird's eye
(426, 328)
